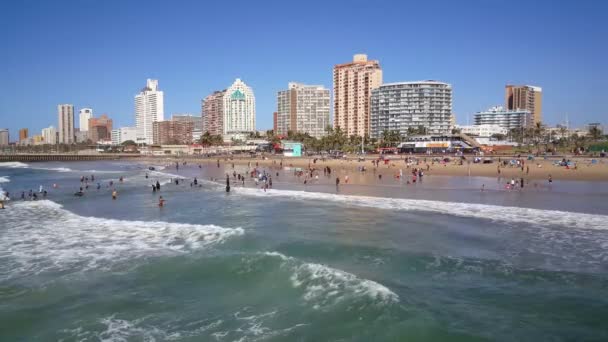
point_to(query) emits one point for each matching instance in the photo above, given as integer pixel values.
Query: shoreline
(539, 169)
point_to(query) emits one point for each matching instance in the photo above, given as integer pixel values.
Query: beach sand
(539, 168)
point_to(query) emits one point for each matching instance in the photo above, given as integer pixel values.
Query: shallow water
(438, 260)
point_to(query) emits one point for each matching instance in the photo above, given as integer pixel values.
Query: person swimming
(161, 201)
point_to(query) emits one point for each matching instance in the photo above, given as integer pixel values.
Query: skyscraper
(83, 119)
(239, 111)
(303, 108)
(212, 112)
(23, 134)
(149, 107)
(65, 113)
(525, 97)
(403, 105)
(353, 83)
(4, 137)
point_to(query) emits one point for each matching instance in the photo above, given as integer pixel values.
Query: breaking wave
(41, 236)
(4, 179)
(474, 210)
(326, 286)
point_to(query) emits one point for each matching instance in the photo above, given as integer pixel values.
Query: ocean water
(384, 261)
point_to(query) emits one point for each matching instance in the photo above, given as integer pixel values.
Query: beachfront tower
(149, 107)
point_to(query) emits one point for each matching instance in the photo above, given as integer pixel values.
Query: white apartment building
(4, 137)
(508, 119)
(239, 111)
(123, 134)
(149, 107)
(49, 135)
(353, 84)
(65, 113)
(83, 119)
(399, 106)
(482, 130)
(303, 108)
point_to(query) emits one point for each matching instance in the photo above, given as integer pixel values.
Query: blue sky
(99, 53)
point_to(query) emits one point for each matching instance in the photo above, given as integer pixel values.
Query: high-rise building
(100, 128)
(173, 132)
(120, 135)
(239, 111)
(508, 119)
(197, 124)
(149, 107)
(83, 119)
(65, 114)
(49, 135)
(353, 84)
(23, 134)
(212, 112)
(4, 137)
(525, 97)
(404, 105)
(303, 108)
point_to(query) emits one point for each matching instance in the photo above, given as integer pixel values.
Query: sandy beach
(587, 169)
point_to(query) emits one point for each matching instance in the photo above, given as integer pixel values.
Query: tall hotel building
(303, 108)
(83, 119)
(149, 107)
(525, 97)
(65, 129)
(353, 83)
(399, 106)
(230, 112)
(4, 137)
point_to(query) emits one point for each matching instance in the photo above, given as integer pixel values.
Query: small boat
(151, 168)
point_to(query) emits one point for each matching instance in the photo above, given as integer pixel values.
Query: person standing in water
(161, 201)
(227, 183)
(114, 194)
(157, 186)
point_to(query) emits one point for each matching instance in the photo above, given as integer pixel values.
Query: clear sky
(98, 54)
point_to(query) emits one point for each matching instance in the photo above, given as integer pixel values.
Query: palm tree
(595, 133)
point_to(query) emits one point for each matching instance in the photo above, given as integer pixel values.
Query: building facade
(100, 128)
(484, 131)
(49, 135)
(404, 105)
(4, 137)
(120, 135)
(173, 132)
(353, 84)
(83, 119)
(212, 112)
(65, 113)
(239, 111)
(508, 119)
(197, 124)
(525, 97)
(303, 108)
(149, 107)
(23, 134)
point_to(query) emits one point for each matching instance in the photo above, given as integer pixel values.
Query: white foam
(4, 179)
(13, 165)
(325, 286)
(481, 211)
(52, 238)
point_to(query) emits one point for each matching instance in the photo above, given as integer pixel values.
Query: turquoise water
(434, 261)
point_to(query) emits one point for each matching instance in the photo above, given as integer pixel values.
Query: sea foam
(42, 236)
(324, 285)
(480, 211)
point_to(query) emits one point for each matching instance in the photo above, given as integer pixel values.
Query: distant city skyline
(564, 56)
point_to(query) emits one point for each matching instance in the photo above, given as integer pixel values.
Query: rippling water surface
(434, 261)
